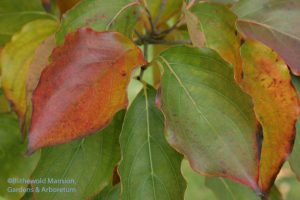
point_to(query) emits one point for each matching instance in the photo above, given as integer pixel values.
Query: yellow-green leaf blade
(218, 26)
(16, 58)
(163, 10)
(97, 14)
(16, 13)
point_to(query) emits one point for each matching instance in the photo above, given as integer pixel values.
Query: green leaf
(194, 28)
(288, 185)
(16, 13)
(276, 24)
(294, 158)
(126, 21)
(89, 162)
(196, 189)
(210, 118)
(223, 1)
(228, 190)
(14, 162)
(218, 25)
(99, 15)
(275, 194)
(27, 195)
(4, 105)
(150, 168)
(16, 58)
(109, 193)
(162, 10)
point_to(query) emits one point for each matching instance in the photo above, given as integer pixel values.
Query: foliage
(149, 99)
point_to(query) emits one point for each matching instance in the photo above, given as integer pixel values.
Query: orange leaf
(83, 87)
(267, 80)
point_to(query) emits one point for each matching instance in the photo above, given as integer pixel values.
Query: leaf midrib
(148, 140)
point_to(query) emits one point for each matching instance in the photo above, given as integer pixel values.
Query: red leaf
(83, 87)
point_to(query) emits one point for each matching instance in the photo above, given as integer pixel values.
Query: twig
(153, 29)
(169, 42)
(146, 50)
(168, 30)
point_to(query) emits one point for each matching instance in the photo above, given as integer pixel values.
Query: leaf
(196, 188)
(210, 122)
(15, 60)
(148, 164)
(223, 1)
(276, 24)
(228, 190)
(28, 195)
(288, 185)
(4, 105)
(39, 61)
(65, 5)
(88, 163)
(162, 10)
(275, 194)
(83, 87)
(109, 193)
(14, 164)
(126, 21)
(96, 14)
(267, 80)
(194, 28)
(294, 158)
(16, 13)
(218, 26)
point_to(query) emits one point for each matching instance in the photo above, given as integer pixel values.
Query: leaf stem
(154, 37)
(144, 67)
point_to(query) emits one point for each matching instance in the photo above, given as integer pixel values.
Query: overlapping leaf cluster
(223, 93)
